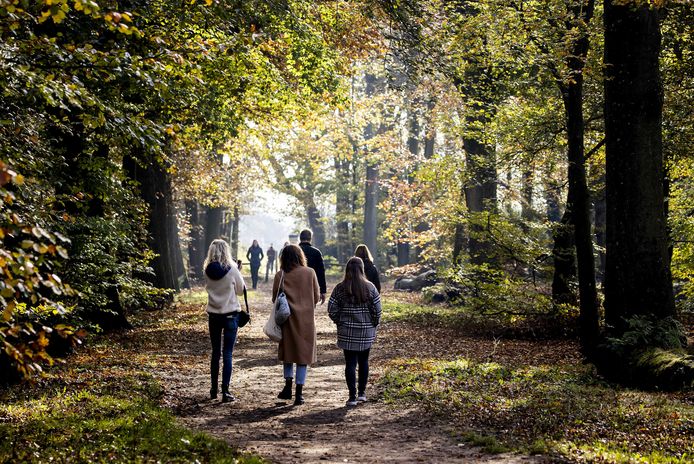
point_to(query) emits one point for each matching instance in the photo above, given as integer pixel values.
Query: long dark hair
(292, 256)
(355, 283)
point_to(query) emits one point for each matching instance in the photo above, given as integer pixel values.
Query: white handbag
(271, 329)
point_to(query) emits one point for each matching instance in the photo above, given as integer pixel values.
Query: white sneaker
(351, 402)
(361, 398)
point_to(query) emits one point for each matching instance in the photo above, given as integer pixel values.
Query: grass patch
(197, 296)
(400, 311)
(488, 443)
(99, 420)
(548, 409)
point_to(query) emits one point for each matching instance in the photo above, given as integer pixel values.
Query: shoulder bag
(245, 316)
(282, 310)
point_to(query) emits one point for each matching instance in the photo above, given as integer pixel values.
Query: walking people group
(354, 306)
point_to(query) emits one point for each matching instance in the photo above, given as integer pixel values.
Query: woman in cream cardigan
(298, 345)
(223, 283)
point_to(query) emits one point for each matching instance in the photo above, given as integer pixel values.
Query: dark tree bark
(480, 190)
(637, 272)
(371, 182)
(314, 222)
(564, 278)
(196, 248)
(403, 246)
(429, 146)
(155, 189)
(213, 224)
(235, 233)
(342, 209)
(600, 224)
(371, 207)
(578, 200)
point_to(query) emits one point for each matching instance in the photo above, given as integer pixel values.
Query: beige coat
(298, 343)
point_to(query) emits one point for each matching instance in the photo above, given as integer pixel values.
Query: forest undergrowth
(530, 396)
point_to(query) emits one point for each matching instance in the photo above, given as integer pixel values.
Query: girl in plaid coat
(355, 306)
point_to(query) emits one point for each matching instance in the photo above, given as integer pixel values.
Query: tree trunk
(600, 221)
(429, 146)
(213, 224)
(403, 245)
(196, 248)
(637, 272)
(155, 189)
(314, 222)
(371, 182)
(370, 208)
(480, 190)
(235, 234)
(578, 206)
(564, 277)
(342, 209)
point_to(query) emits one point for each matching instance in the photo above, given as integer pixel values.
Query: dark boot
(298, 397)
(286, 393)
(213, 393)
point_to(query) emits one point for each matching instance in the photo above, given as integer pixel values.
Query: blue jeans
(352, 358)
(226, 325)
(300, 372)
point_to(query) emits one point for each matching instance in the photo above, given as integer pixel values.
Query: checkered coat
(356, 322)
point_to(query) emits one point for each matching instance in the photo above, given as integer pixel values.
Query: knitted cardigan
(222, 293)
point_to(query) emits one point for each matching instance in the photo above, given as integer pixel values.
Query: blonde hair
(363, 252)
(219, 252)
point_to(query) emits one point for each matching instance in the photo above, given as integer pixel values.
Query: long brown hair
(292, 256)
(363, 252)
(355, 283)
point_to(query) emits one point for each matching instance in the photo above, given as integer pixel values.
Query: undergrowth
(561, 410)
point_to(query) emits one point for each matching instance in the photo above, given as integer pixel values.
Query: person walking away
(355, 306)
(314, 260)
(271, 254)
(298, 345)
(370, 270)
(254, 256)
(223, 283)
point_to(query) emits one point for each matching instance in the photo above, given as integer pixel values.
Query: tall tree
(154, 185)
(637, 272)
(371, 181)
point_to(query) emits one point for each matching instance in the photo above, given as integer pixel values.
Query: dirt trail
(323, 429)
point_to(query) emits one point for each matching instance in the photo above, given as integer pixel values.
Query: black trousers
(352, 359)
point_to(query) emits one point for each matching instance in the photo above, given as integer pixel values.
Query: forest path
(321, 430)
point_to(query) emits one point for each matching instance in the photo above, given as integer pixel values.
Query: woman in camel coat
(298, 345)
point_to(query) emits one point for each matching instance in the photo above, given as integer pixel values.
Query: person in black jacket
(370, 269)
(314, 260)
(255, 256)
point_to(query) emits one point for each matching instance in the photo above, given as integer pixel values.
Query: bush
(30, 287)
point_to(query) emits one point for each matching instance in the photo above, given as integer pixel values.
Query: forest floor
(438, 392)
(324, 429)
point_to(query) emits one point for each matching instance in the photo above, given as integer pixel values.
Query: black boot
(286, 393)
(213, 393)
(298, 397)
